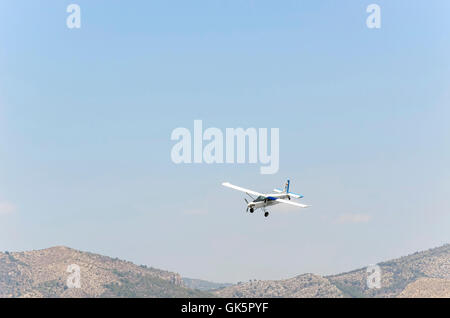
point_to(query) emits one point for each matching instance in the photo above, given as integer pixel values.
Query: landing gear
(266, 214)
(252, 210)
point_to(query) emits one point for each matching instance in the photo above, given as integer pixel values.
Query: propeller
(249, 196)
(247, 203)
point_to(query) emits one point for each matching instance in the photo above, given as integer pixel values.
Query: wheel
(266, 214)
(251, 210)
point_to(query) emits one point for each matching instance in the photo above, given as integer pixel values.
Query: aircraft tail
(286, 187)
(286, 190)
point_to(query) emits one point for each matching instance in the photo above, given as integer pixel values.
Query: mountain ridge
(44, 273)
(396, 276)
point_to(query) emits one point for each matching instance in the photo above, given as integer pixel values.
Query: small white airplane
(264, 200)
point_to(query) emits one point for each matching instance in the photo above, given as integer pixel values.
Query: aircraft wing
(292, 203)
(229, 185)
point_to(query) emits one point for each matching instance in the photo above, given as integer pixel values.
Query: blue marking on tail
(286, 187)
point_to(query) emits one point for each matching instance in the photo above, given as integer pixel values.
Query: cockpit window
(260, 198)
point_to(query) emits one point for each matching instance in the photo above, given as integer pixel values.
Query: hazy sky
(86, 117)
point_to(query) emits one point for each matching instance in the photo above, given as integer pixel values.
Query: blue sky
(86, 116)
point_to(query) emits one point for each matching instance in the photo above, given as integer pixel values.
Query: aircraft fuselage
(269, 200)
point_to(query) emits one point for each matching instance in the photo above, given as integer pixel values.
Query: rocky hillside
(422, 274)
(303, 286)
(201, 284)
(427, 288)
(397, 274)
(43, 273)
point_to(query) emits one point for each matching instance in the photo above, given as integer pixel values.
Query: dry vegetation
(43, 273)
(400, 277)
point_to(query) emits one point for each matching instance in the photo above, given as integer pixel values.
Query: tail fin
(286, 187)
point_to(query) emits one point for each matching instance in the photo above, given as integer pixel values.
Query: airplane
(264, 200)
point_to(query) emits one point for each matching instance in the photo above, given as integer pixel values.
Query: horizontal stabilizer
(293, 203)
(295, 195)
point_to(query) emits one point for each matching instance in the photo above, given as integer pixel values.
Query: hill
(422, 274)
(427, 288)
(204, 285)
(303, 286)
(43, 273)
(397, 274)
